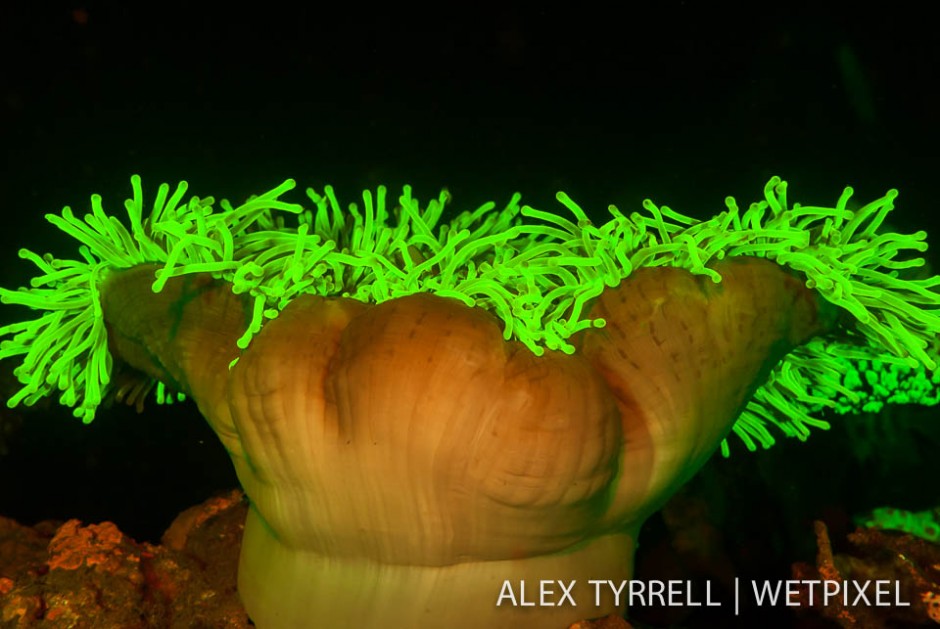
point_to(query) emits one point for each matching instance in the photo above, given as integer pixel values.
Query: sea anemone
(426, 412)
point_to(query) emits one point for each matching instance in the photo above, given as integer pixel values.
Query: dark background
(676, 103)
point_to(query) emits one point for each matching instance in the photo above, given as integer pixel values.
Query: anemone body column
(404, 462)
